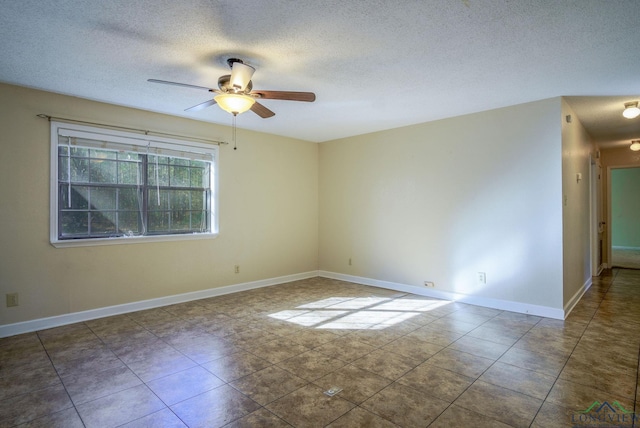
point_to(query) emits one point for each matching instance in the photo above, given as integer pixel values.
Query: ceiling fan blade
(285, 95)
(202, 105)
(261, 110)
(241, 75)
(165, 82)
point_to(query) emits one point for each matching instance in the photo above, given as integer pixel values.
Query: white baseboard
(59, 320)
(577, 296)
(506, 305)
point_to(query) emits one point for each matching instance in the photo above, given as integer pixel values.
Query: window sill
(67, 243)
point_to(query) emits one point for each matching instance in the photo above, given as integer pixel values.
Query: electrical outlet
(482, 278)
(237, 269)
(429, 284)
(12, 300)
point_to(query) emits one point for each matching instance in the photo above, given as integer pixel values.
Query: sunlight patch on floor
(359, 313)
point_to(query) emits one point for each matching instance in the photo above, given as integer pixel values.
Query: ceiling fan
(236, 94)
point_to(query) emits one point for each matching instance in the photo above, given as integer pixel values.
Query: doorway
(596, 223)
(625, 217)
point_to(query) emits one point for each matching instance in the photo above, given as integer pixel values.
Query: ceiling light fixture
(635, 145)
(631, 110)
(234, 103)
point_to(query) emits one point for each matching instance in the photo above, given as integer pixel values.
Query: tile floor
(264, 357)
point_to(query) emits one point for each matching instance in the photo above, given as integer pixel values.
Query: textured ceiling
(373, 65)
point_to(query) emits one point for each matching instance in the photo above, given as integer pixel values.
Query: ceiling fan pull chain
(235, 145)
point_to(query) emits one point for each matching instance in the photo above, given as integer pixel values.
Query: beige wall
(444, 200)
(619, 157)
(268, 215)
(576, 150)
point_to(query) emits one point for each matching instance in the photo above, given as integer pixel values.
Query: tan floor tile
(175, 328)
(553, 416)
(227, 328)
(575, 396)
(520, 327)
(183, 385)
(468, 317)
(88, 387)
(440, 383)
(276, 350)
(18, 341)
(559, 347)
(499, 335)
(22, 361)
(311, 365)
(358, 417)
(137, 350)
(21, 382)
(386, 364)
(268, 384)
(32, 405)
(480, 347)
(203, 349)
(309, 407)
(313, 338)
(414, 349)
(456, 416)
(600, 377)
(435, 336)
(157, 366)
(20, 348)
(499, 403)
(214, 408)
(235, 366)
(460, 362)
(454, 325)
(518, 379)
(57, 336)
(375, 338)
(251, 336)
(549, 364)
(151, 316)
(107, 325)
(68, 418)
(164, 418)
(481, 310)
(345, 349)
(74, 350)
(285, 328)
(103, 359)
(602, 343)
(405, 406)
(119, 408)
(568, 328)
(119, 343)
(357, 384)
(260, 418)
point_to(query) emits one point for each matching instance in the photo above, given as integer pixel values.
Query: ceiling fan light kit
(234, 103)
(635, 145)
(631, 110)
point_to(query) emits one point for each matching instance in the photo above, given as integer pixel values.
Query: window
(113, 187)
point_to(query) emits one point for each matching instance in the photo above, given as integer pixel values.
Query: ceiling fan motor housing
(224, 83)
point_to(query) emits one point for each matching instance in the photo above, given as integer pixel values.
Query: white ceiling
(374, 65)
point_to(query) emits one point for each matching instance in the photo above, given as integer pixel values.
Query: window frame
(143, 142)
